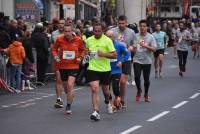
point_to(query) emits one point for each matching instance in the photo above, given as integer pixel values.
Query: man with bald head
(116, 68)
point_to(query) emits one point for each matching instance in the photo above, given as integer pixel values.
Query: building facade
(135, 10)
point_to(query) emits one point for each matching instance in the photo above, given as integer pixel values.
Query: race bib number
(140, 56)
(140, 48)
(113, 60)
(94, 54)
(68, 55)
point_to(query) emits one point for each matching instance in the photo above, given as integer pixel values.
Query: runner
(145, 45)
(68, 50)
(101, 49)
(54, 35)
(184, 38)
(126, 35)
(161, 40)
(116, 68)
(174, 35)
(195, 40)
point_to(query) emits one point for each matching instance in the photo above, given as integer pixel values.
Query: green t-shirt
(103, 44)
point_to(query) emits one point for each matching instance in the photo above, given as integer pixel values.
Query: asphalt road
(174, 109)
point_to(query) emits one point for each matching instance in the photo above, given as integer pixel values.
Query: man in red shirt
(71, 51)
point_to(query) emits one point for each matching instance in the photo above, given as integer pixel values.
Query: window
(165, 9)
(194, 10)
(176, 9)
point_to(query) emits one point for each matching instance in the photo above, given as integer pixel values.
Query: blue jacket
(122, 55)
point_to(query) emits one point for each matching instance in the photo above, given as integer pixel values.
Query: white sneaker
(109, 108)
(156, 74)
(68, 110)
(160, 74)
(95, 116)
(133, 83)
(127, 83)
(17, 91)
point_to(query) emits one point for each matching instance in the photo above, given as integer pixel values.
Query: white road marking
(194, 96)
(51, 95)
(22, 102)
(5, 106)
(158, 116)
(27, 105)
(30, 100)
(46, 95)
(130, 129)
(38, 98)
(173, 66)
(180, 104)
(13, 104)
(166, 53)
(43, 93)
(76, 89)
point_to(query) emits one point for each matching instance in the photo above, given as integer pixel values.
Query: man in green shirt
(100, 49)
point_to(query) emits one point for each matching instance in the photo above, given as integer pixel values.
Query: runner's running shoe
(95, 116)
(58, 104)
(147, 99)
(117, 103)
(68, 110)
(122, 105)
(109, 108)
(156, 74)
(181, 74)
(137, 98)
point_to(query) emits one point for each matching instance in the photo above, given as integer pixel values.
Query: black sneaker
(68, 110)
(181, 74)
(95, 116)
(58, 104)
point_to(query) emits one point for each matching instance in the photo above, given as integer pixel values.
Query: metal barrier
(3, 74)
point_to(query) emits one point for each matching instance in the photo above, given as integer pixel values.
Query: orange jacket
(16, 53)
(66, 50)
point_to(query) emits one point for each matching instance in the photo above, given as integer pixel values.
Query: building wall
(7, 6)
(135, 10)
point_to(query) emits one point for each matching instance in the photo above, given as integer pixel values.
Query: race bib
(196, 35)
(113, 60)
(68, 55)
(140, 56)
(140, 48)
(94, 54)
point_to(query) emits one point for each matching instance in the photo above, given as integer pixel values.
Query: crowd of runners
(105, 56)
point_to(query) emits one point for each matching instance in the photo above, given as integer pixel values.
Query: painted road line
(14, 104)
(43, 93)
(76, 89)
(194, 96)
(5, 106)
(27, 105)
(130, 129)
(38, 98)
(30, 100)
(51, 95)
(22, 102)
(173, 66)
(158, 116)
(180, 104)
(45, 96)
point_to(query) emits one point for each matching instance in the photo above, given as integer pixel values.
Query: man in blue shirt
(160, 38)
(116, 67)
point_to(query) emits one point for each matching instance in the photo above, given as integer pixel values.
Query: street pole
(61, 11)
(77, 10)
